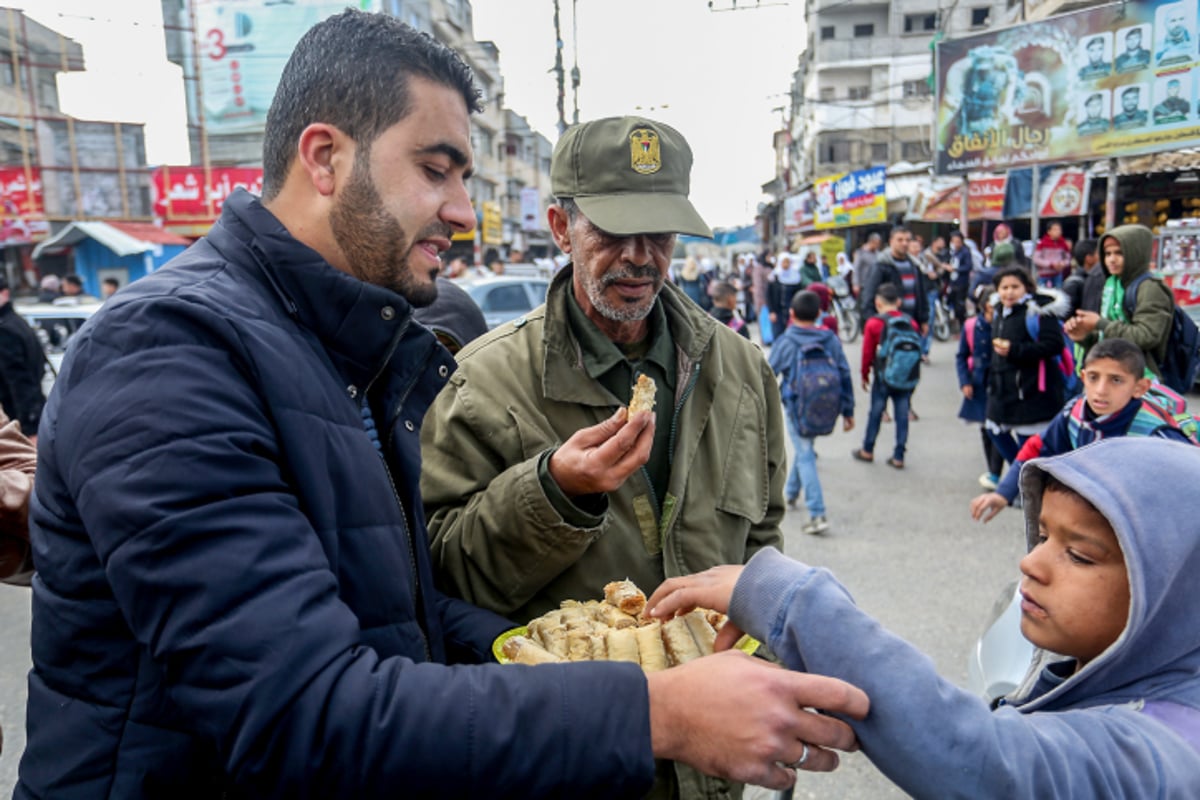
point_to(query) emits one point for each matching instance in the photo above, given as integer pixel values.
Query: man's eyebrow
(458, 157)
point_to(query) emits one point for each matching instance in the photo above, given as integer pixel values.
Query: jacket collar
(356, 321)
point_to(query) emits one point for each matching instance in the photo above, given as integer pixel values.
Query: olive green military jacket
(522, 391)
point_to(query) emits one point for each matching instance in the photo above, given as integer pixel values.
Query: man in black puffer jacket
(233, 595)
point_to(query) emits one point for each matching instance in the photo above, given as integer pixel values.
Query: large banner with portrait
(851, 198)
(1112, 81)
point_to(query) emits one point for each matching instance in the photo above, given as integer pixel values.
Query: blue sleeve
(934, 739)
(847, 375)
(1171, 434)
(780, 357)
(960, 357)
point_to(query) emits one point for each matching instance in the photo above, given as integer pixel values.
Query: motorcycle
(944, 319)
(845, 308)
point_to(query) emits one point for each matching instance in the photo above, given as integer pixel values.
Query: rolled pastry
(611, 616)
(704, 633)
(650, 646)
(622, 645)
(681, 647)
(579, 644)
(521, 650)
(625, 596)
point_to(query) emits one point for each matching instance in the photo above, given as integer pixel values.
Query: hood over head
(1146, 489)
(1136, 242)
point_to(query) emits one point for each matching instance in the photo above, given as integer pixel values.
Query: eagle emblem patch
(644, 153)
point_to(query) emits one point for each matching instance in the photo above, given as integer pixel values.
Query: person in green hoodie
(1126, 254)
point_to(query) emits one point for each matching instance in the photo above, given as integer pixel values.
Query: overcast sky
(714, 75)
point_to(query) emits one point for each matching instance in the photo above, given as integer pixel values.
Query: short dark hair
(1083, 248)
(723, 290)
(1131, 90)
(958, 234)
(1095, 40)
(3, 282)
(111, 282)
(982, 292)
(897, 229)
(888, 293)
(73, 279)
(1020, 273)
(806, 306)
(351, 71)
(1124, 352)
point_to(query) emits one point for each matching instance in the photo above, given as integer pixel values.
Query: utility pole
(559, 72)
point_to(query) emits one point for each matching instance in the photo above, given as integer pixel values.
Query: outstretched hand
(711, 588)
(600, 458)
(743, 719)
(986, 506)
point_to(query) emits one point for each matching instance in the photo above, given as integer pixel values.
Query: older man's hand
(600, 458)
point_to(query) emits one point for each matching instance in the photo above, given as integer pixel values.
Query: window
(866, 29)
(859, 92)
(918, 89)
(48, 94)
(827, 32)
(980, 16)
(915, 23)
(914, 151)
(506, 298)
(6, 69)
(834, 151)
(879, 153)
(826, 94)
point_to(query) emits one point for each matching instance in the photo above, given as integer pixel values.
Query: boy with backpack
(1117, 400)
(817, 389)
(1139, 307)
(892, 347)
(1110, 708)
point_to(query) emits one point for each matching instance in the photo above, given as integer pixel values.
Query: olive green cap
(628, 175)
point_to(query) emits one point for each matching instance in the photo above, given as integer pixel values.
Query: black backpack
(1182, 360)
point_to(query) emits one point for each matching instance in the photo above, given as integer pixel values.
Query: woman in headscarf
(785, 282)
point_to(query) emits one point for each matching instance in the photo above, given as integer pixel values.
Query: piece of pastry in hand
(642, 398)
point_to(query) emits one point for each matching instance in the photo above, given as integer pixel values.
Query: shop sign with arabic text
(851, 198)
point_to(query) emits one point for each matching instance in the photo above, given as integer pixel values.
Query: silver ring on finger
(799, 762)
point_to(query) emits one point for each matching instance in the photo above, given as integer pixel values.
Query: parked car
(505, 297)
(55, 325)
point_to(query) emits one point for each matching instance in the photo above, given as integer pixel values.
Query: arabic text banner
(851, 198)
(179, 192)
(1093, 84)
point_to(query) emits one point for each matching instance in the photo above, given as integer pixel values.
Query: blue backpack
(815, 389)
(1182, 360)
(1065, 360)
(898, 360)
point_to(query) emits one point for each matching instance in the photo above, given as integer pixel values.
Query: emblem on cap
(644, 153)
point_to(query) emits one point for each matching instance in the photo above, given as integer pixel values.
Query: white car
(505, 297)
(55, 325)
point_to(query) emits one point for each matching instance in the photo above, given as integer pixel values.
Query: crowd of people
(276, 525)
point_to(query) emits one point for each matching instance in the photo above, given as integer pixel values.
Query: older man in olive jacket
(538, 485)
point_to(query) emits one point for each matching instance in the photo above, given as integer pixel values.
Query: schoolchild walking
(817, 389)
(1117, 400)
(972, 362)
(892, 349)
(1026, 383)
(725, 308)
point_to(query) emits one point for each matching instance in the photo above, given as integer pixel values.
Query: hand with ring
(799, 762)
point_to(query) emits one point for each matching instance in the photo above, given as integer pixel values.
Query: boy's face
(1075, 593)
(1109, 387)
(1114, 259)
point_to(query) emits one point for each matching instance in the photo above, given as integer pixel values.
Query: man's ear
(1141, 386)
(556, 216)
(325, 156)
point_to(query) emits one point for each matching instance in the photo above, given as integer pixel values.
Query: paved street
(901, 541)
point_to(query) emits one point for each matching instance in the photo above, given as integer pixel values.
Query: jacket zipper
(418, 606)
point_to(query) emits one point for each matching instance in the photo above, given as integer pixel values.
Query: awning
(123, 238)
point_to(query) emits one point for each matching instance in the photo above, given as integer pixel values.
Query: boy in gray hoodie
(1107, 584)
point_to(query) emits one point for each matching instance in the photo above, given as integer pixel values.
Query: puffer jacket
(1150, 326)
(1015, 395)
(521, 391)
(234, 597)
(21, 367)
